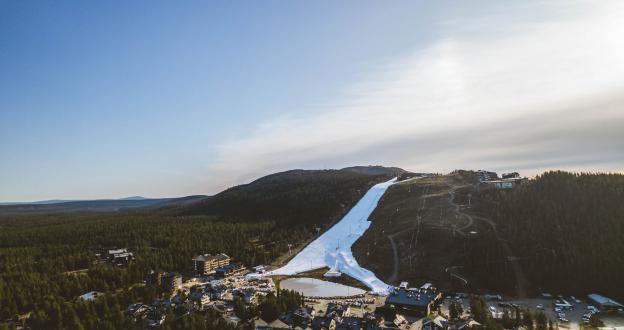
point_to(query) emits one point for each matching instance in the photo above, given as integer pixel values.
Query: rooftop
(206, 257)
(605, 301)
(410, 297)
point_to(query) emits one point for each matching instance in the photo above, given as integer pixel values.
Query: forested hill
(91, 206)
(48, 260)
(297, 197)
(566, 229)
(376, 170)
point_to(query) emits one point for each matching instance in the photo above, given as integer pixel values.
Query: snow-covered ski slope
(333, 248)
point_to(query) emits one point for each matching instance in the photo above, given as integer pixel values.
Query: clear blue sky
(116, 98)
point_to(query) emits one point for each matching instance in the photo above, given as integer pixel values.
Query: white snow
(90, 296)
(333, 248)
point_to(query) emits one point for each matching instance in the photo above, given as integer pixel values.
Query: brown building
(208, 263)
(154, 278)
(171, 281)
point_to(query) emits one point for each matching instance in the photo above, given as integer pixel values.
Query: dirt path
(457, 209)
(521, 281)
(395, 253)
(395, 258)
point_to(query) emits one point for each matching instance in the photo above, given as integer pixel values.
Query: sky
(159, 99)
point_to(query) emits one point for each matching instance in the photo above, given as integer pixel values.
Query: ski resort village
(321, 285)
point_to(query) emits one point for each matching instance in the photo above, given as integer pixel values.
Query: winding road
(521, 282)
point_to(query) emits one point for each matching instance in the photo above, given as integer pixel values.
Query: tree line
(565, 230)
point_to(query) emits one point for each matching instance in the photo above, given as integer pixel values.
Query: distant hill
(295, 196)
(49, 201)
(102, 205)
(56, 201)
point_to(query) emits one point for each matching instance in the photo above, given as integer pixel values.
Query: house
(137, 311)
(260, 269)
(300, 318)
(303, 316)
(350, 323)
(413, 301)
(153, 278)
(340, 310)
(156, 320)
(201, 299)
(120, 257)
(206, 263)
(171, 281)
(604, 303)
(501, 184)
(260, 324)
(398, 323)
(466, 324)
(232, 269)
(277, 324)
(510, 175)
(508, 183)
(250, 297)
(438, 323)
(323, 323)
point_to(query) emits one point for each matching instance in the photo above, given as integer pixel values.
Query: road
(521, 281)
(395, 253)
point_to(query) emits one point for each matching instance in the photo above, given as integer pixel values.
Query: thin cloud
(528, 94)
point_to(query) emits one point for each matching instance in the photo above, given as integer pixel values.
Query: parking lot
(574, 316)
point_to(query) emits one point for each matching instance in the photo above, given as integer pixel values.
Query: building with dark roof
(232, 269)
(171, 281)
(207, 263)
(487, 175)
(413, 301)
(604, 303)
(120, 257)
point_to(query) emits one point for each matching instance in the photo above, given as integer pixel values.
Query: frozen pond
(312, 287)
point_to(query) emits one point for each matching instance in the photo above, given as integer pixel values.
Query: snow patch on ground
(333, 248)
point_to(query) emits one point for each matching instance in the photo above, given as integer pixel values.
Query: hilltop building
(206, 263)
(487, 176)
(508, 183)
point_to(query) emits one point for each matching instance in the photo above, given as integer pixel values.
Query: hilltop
(296, 197)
